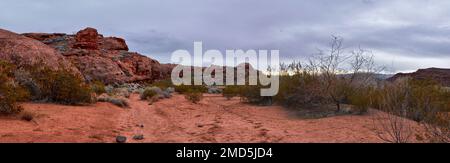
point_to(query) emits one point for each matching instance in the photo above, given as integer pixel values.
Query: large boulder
(87, 39)
(24, 51)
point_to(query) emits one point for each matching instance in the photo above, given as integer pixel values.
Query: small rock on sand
(121, 139)
(138, 137)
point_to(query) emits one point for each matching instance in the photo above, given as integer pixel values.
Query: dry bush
(437, 127)
(98, 87)
(342, 74)
(59, 86)
(299, 88)
(392, 125)
(361, 99)
(423, 101)
(120, 102)
(431, 107)
(10, 92)
(193, 96)
(67, 88)
(148, 94)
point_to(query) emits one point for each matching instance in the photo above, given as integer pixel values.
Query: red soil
(214, 119)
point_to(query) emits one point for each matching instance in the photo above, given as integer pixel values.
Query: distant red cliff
(437, 74)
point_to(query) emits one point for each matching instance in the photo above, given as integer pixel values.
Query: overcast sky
(403, 34)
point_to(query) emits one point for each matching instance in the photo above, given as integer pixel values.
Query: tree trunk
(338, 106)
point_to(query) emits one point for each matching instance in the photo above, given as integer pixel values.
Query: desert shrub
(148, 93)
(163, 84)
(67, 88)
(170, 89)
(423, 101)
(131, 87)
(231, 91)
(214, 90)
(121, 92)
(119, 102)
(8, 104)
(10, 92)
(113, 100)
(252, 94)
(193, 96)
(361, 100)
(98, 87)
(392, 126)
(300, 91)
(59, 86)
(109, 89)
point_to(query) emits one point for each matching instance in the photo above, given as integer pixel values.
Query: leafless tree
(391, 125)
(341, 72)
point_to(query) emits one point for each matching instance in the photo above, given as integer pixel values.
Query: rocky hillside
(105, 59)
(440, 75)
(23, 51)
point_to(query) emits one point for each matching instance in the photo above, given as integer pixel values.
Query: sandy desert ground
(176, 120)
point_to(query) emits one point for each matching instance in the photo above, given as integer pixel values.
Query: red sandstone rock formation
(24, 51)
(87, 39)
(106, 59)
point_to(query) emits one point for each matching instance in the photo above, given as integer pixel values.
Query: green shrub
(361, 100)
(69, 89)
(10, 92)
(98, 87)
(148, 94)
(59, 86)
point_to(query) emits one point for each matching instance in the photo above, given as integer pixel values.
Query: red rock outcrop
(106, 59)
(87, 39)
(437, 74)
(113, 43)
(24, 51)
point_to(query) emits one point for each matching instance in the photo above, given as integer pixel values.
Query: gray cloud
(403, 32)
